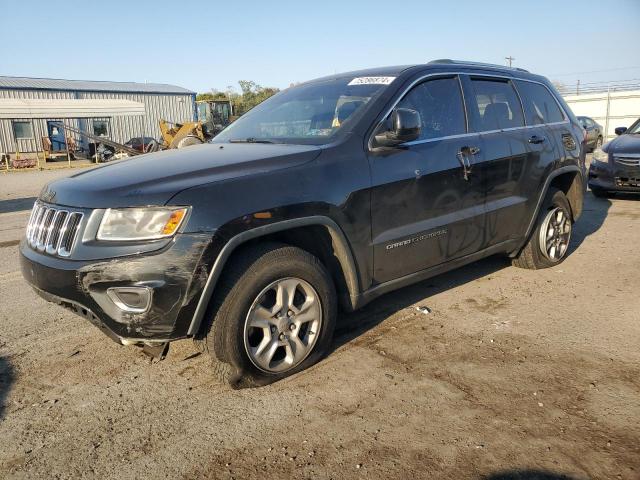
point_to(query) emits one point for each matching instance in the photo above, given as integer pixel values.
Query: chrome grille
(628, 160)
(52, 229)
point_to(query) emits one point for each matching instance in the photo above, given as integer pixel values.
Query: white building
(609, 109)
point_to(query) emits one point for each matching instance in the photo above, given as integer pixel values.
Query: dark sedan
(616, 166)
(593, 131)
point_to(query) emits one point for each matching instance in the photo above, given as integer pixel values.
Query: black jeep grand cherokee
(330, 193)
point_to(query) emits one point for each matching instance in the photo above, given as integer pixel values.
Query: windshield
(307, 114)
(635, 128)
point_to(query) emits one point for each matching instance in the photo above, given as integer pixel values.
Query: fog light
(131, 299)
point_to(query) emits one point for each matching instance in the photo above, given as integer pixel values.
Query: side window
(496, 105)
(22, 130)
(439, 103)
(539, 104)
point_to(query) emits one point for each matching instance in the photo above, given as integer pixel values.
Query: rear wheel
(549, 242)
(275, 315)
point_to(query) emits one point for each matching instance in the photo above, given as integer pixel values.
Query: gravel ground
(512, 374)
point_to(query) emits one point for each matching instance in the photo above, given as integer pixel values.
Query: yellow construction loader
(212, 117)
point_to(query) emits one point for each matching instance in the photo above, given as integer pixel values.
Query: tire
(242, 301)
(188, 141)
(539, 252)
(152, 146)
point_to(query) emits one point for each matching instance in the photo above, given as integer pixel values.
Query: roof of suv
(441, 63)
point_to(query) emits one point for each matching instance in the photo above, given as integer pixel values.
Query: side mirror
(620, 130)
(404, 125)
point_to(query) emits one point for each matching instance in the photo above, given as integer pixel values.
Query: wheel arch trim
(545, 189)
(340, 245)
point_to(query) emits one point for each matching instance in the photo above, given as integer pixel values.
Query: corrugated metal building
(117, 110)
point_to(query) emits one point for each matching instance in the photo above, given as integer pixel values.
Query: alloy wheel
(555, 234)
(282, 325)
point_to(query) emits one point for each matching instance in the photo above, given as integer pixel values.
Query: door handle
(535, 139)
(469, 150)
(463, 157)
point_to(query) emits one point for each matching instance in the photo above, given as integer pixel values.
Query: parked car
(616, 166)
(325, 196)
(142, 144)
(593, 132)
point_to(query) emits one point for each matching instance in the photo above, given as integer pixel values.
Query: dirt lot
(513, 374)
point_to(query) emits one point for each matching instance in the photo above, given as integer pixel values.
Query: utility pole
(509, 59)
(578, 87)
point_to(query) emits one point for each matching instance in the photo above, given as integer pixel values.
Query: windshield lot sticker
(372, 81)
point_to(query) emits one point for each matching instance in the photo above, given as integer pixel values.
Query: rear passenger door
(505, 166)
(543, 114)
(541, 107)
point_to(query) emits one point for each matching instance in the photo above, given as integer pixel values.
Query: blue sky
(204, 45)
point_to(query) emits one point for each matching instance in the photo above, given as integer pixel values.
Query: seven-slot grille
(53, 229)
(628, 160)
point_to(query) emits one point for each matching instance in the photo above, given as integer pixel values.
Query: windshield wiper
(250, 140)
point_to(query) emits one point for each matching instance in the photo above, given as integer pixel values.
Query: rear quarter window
(539, 104)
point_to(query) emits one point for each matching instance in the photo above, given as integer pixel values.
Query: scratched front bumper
(177, 275)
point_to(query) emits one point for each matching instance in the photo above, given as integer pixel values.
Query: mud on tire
(251, 280)
(533, 255)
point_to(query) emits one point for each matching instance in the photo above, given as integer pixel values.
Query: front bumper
(176, 274)
(614, 177)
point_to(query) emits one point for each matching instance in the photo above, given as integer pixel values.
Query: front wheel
(275, 315)
(549, 243)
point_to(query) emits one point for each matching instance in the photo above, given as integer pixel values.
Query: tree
(214, 95)
(251, 95)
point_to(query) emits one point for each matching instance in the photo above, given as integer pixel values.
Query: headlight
(600, 155)
(149, 223)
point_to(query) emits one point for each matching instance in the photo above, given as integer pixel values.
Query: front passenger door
(423, 210)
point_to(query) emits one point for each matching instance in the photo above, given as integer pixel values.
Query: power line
(605, 82)
(593, 71)
(612, 87)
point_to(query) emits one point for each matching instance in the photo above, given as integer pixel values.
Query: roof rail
(475, 64)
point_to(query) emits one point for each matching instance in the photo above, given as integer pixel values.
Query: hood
(154, 178)
(625, 143)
